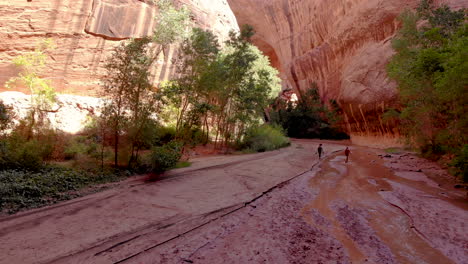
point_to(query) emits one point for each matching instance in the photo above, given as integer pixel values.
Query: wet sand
(279, 207)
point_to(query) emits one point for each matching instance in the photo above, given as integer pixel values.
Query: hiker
(320, 150)
(346, 152)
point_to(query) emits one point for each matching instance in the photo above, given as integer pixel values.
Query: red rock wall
(343, 45)
(85, 31)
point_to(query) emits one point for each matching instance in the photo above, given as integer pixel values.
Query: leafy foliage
(309, 118)
(24, 189)
(165, 157)
(222, 91)
(130, 100)
(18, 153)
(172, 23)
(431, 68)
(5, 119)
(31, 66)
(265, 138)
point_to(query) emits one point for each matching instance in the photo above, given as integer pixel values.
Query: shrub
(5, 118)
(17, 154)
(165, 157)
(80, 145)
(22, 189)
(309, 117)
(164, 135)
(265, 138)
(460, 163)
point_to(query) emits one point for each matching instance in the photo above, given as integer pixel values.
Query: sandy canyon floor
(284, 206)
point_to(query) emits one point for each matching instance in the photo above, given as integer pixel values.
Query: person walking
(320, 150)
(347, 152)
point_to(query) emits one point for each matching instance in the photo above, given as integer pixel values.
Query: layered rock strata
(343, 45)
(86, 31)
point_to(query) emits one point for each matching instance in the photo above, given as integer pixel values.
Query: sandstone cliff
(85, 31)
(343, 45)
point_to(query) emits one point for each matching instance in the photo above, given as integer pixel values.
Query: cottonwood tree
(130, 100)
(191, 91)
(220, 89)
(43, 95)
(430, 68)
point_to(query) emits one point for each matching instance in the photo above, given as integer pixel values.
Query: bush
(309, 118)
(17, 154)
(165, 157)
(265, 138)
(460, 163)
(23, 189)
(164, 135)
(75, 147)
(5, 118)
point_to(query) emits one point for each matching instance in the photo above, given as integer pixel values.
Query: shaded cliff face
(85, 31)
(343, 45)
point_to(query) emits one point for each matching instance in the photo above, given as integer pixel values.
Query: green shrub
(5, 118)
(17, 154)
(74, 147)
(265, 138)
(163, 135)
(310, 117)
(165, 157)
(182, 164)
(23, 189)
(460, 163)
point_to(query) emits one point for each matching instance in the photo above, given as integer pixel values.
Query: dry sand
(260, 208)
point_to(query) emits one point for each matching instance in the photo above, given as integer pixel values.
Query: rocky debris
(70, 112)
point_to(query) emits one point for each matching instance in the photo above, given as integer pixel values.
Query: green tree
(31, 67)
(225, 89)
(248, 82)
(310, 117)
(192, 89)
(431, 68)
(172, 23)
(5, 118)
(130, 101)
(172, 26)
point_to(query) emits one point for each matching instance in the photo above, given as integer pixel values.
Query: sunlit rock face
(69, 113)
(343, 45)
(85, 31)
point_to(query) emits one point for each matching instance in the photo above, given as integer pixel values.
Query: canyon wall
(343, 45)
(86, 31)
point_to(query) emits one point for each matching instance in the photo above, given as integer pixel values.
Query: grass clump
(265, 138)
(182, 164)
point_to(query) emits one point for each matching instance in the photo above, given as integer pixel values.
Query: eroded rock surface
(85, 31)
(342, 45)
(70, 113)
